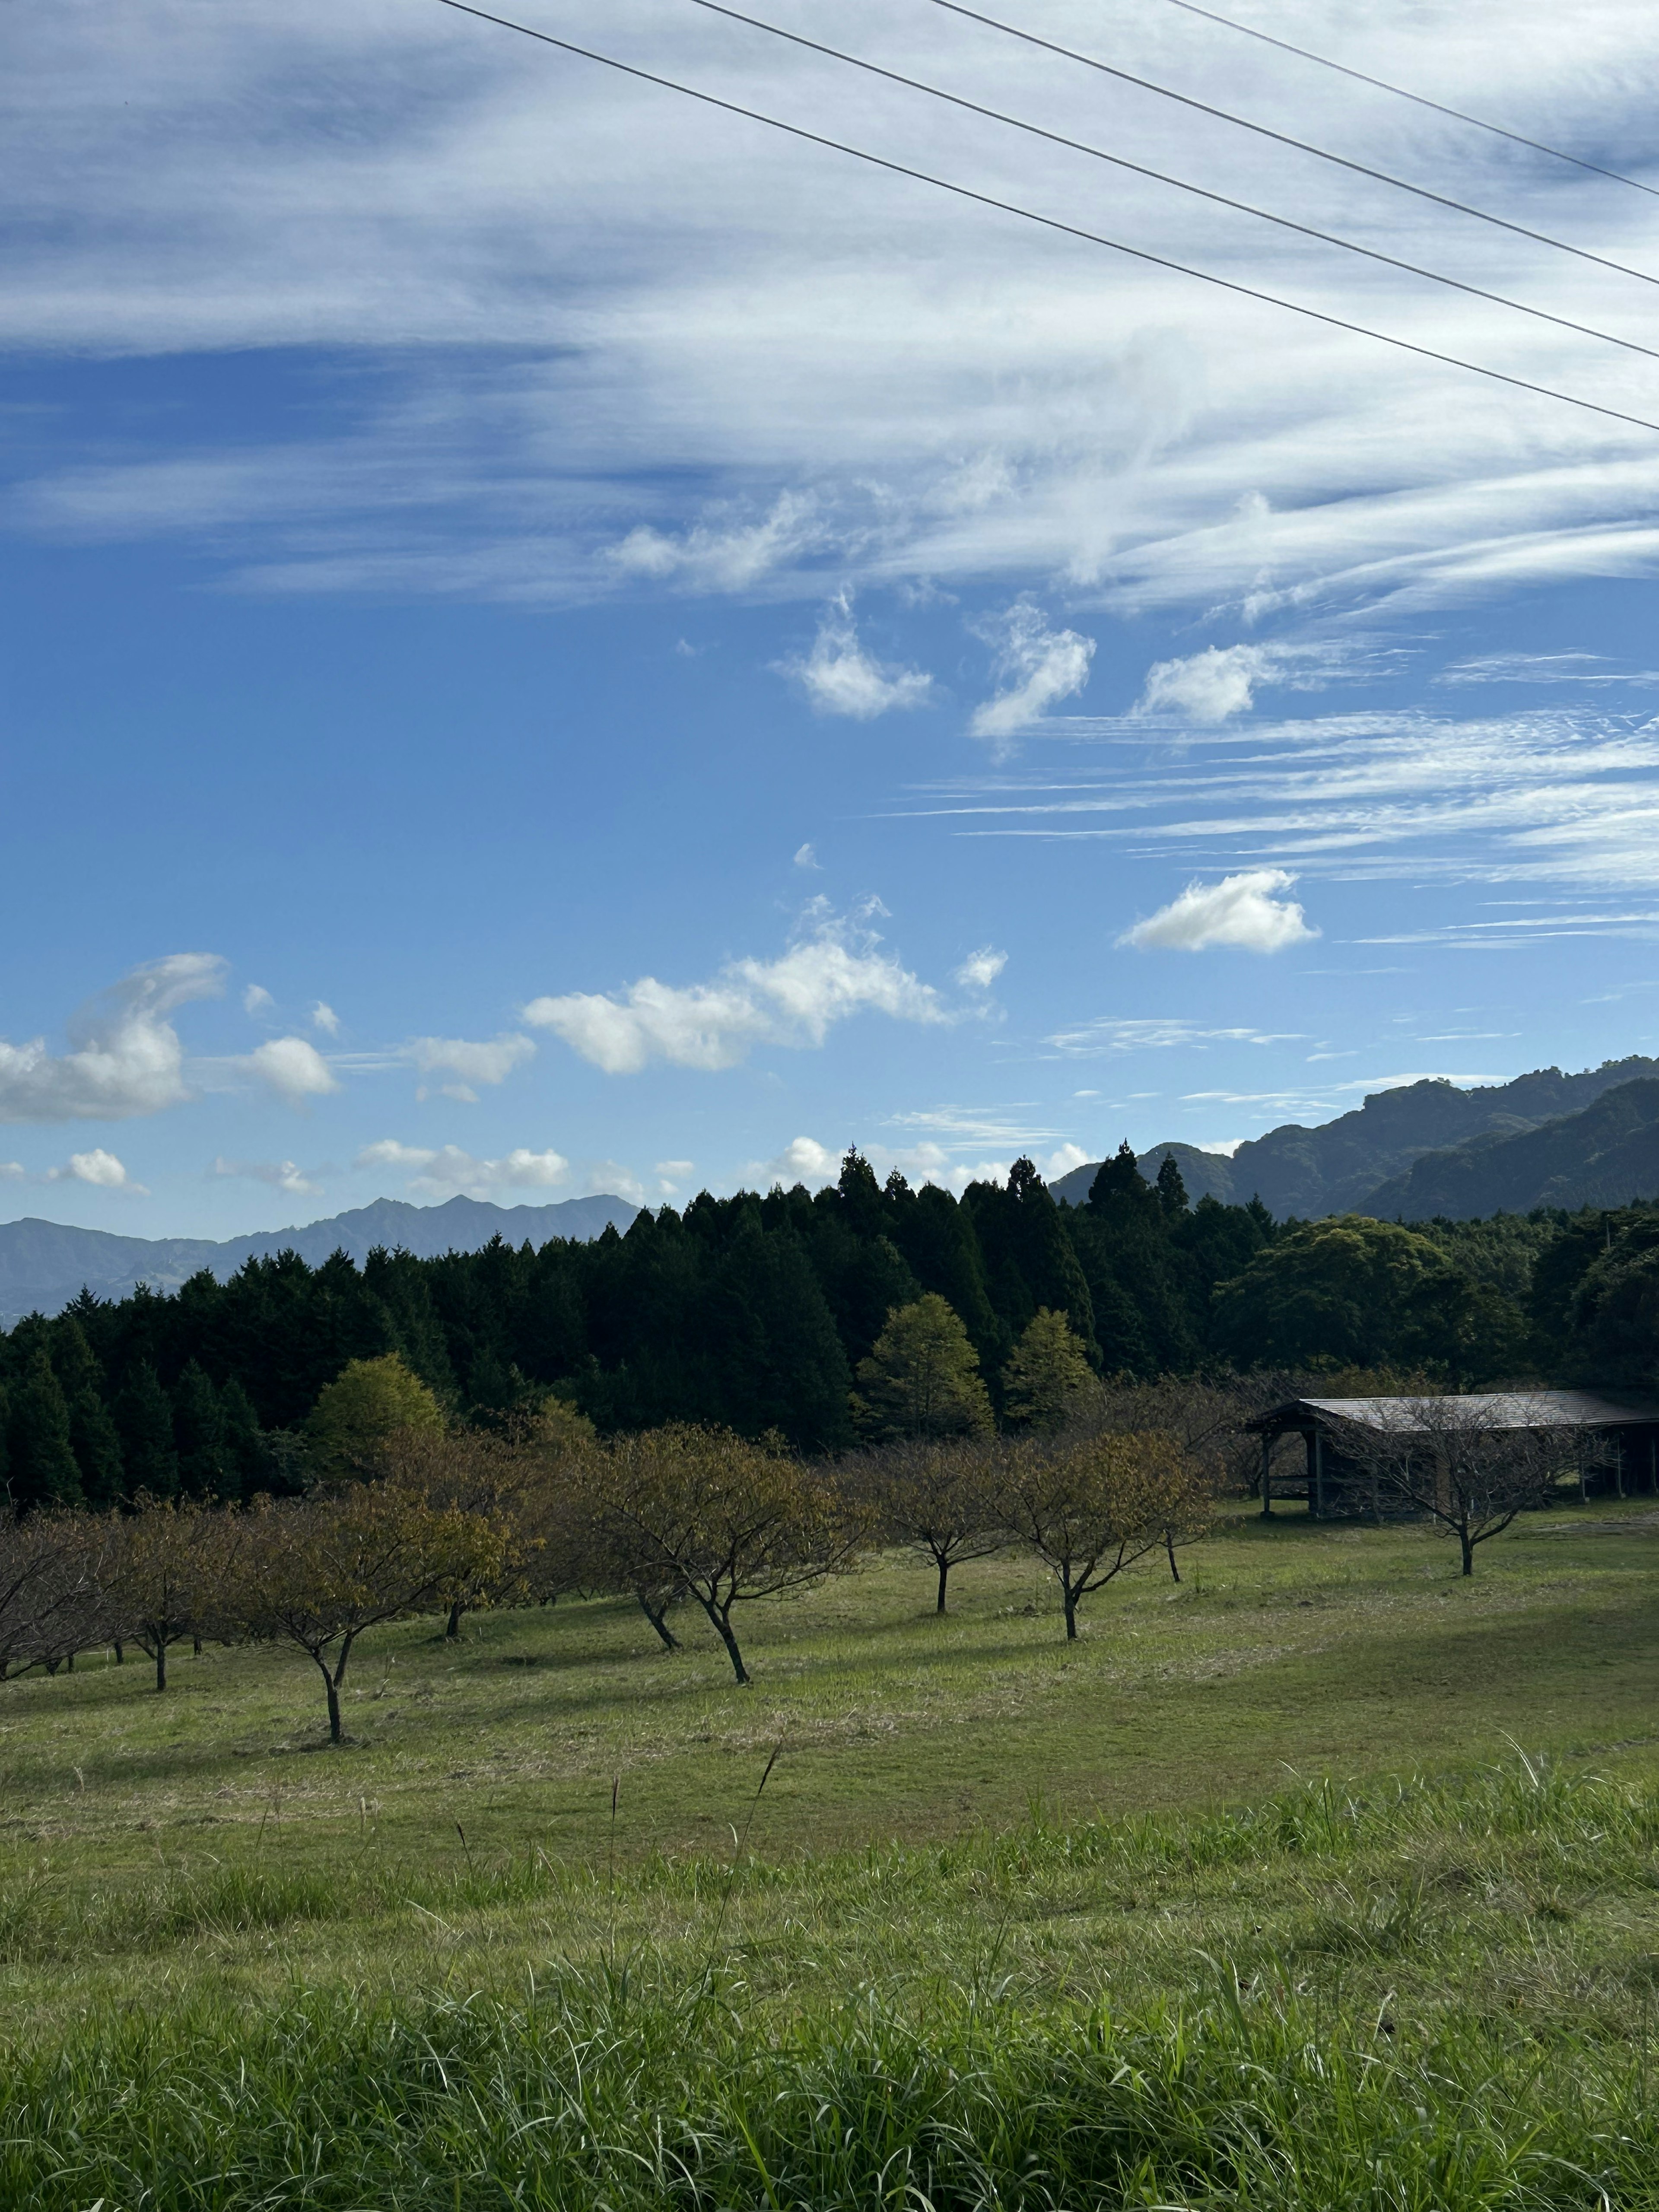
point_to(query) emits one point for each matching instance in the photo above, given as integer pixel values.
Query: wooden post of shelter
(1318, 1500)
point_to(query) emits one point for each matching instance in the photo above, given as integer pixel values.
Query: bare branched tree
(1471, 1464)
(49, 1606)
(938, 1496)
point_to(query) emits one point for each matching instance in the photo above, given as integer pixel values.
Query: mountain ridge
(44, 1264)
(1338, 1166)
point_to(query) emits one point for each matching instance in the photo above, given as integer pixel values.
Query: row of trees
(450, 1520)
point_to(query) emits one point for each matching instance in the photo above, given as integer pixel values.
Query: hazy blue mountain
(43, 1264)
(1604, 1155)
(1336, 1167)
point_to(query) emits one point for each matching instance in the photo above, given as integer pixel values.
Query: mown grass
(1153, 1920)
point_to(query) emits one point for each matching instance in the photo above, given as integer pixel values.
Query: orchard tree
(937, 1498)
(1047, 1377)
(1092, 1504)
(484, 1474)
(49, 1598)
(921, 1377)
(317, 1572)
(1471, 1464)
(164, 1573)
(368, 1401)
(726, 1520)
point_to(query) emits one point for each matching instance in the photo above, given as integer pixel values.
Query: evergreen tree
(1047, 1377)
(144, 1417)
(198, 1426)
(97, 1446)
(247, 1462)
(921, 1377)
(1171, 1190)
(42, 1468)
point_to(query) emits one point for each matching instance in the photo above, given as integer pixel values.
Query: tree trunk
(1463, 1538)
(160, 1665)
(1169, 1545)
(657, 1616)
(334, 1732)
(722, 1628)
(1070, 1602)
(452, 1628)
(120, 1653)
(196, 1646)
(943, 1566)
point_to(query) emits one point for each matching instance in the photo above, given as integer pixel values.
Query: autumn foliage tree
(1091, 1502)
(724, 1519)
(938, 1497)
(163, 1571)
(368, 1401)
(1047, 1377)
(317, 1572)
(49, 1599)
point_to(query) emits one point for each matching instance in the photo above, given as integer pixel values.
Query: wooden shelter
(1623, 1425)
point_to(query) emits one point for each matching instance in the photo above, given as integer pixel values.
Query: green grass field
(1324, 1878)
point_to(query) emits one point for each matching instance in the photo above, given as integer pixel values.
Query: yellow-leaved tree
(368, 1401)
(317, 1572)
(921, 1376)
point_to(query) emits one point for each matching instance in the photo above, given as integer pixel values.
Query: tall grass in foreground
(1327, 2048)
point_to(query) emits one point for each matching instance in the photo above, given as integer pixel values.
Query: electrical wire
(1381, 84)
(1047, 222)
(1282, 138)
(1161, 177)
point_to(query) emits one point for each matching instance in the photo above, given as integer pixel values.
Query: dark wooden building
(1623, 1426)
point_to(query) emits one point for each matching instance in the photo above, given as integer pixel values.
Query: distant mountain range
(43, 1264)
(1545, 1139)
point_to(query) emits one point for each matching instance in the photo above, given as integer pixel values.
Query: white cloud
(124, 1057)
(723, 556)
(806, 858)
(1038, 667)
(833, 970)
(445, 1168)
(490, 1062)
(9, 1167)
(99, 1169)
(1209, 686)
(323, 1017)
(291, 1068)
(981, 969)
(803, 1159)
(1592, 668)
(1156, 1033)
(256, 1000)
(280, 1175)
(1242, 910)
(840, 677)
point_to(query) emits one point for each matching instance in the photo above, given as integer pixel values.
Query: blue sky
(556, 641)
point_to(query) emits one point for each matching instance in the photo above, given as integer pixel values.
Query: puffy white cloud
(445, 1168)
(981, 969)
(256, 1000)
(1242, 910)
(124, 1057)
(280, 1175)
(1208, 686)
(99, 1169)
(488, 1062)
(1037, 667)
(803, 1159)
(292, 1067)
(840, 677)
(323, 1017)
(835, 969)
(806, 858)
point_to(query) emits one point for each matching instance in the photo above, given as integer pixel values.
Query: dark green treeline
(754, 1312)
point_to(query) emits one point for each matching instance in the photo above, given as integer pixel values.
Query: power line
(1047, 222)
(1282, 138)
(1161, 177)
(1381, 84)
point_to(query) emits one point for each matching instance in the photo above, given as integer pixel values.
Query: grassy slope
(988, 1834)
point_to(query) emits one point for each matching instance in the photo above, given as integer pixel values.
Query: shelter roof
(1502, 1409)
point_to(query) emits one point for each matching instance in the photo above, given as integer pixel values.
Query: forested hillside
(754, 1312)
